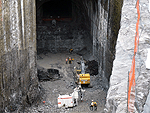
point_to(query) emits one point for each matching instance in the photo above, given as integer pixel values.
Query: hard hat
(92, 100)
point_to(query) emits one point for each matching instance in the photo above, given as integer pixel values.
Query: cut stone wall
(18, 78)
(105, 18)
(99, 24)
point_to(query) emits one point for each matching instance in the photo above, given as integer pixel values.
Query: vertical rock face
(117, 93)
(18, 80)
(105, 22)
(98, 14)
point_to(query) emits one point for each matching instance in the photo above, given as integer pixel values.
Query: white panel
(147, 105)
(149, 5)
(148, 59)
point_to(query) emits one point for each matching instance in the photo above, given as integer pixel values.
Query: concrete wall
(18, 80)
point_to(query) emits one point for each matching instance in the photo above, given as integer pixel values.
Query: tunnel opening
(62, 25)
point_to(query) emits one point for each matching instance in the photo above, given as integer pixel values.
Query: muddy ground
(52, 88)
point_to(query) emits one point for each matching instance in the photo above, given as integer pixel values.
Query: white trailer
(70, 100)
(65, 101)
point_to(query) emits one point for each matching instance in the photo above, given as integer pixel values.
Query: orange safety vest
(66, 59)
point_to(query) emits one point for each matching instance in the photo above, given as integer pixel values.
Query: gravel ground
(65, 85)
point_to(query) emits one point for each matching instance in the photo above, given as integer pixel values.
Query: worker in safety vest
(93, 105)
(70, 60)
(66, 60)
(70, 51)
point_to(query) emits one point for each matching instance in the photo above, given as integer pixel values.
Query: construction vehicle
(81, 77)
(72, 99)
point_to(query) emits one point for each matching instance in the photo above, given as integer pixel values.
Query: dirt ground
(65, 85)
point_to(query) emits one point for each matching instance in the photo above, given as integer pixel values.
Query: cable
(132, 82)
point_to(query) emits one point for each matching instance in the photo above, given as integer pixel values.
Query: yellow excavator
(80, 75)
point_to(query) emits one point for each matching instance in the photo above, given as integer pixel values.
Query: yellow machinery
(81, 76)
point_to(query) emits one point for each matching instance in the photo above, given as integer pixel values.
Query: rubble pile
(47, 74)
(92, 67)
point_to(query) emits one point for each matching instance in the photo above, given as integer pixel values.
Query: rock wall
(117, 93)
(99, 25)
(61, 39)
(18, 78)
(105, 18)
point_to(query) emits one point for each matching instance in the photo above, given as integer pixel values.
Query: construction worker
(93, 105)
(70, 51)
(66, 60)
(70, 60)
(53, 23)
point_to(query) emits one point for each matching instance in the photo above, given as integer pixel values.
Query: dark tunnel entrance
(62, 25)
(53, 9)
